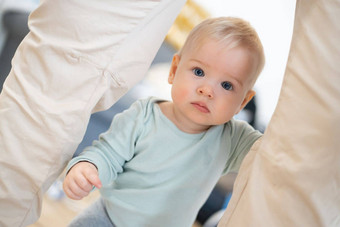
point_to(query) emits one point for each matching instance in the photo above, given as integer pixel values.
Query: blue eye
(227, 85)
(198, 72)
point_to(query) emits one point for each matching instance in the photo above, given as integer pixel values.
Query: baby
(159, 161)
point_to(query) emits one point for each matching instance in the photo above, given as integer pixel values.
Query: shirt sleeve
(114, 147)
(243, 136)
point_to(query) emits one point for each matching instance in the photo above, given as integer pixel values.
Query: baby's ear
(173, 68)
(246, 99)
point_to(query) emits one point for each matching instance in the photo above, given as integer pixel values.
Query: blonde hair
(231, 32)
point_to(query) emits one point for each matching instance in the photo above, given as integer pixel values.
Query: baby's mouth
(201, 107)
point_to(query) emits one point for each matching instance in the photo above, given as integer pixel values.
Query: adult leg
(79, 57)
(292, 176)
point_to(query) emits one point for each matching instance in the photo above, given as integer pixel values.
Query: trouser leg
(94, 215)
(292, 176)
(79, 57)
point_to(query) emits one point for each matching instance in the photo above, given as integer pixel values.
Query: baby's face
(212, 83)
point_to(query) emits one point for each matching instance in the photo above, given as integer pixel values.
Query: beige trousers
(292, 176)
(79, 57)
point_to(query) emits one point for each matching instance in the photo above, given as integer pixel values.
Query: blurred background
(273, 20)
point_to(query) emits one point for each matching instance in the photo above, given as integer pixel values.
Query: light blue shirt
(153, 174)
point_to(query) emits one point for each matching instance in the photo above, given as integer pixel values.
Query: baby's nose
(206, 91)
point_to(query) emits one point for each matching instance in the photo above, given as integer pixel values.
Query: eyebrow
(203, 63)
(239, 82)
(200, 62)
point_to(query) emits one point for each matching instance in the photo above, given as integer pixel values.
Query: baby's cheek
(184, 93)
(223, 113)
(181, 92)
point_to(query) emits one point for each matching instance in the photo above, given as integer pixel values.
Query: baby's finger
(77, 190)
(70, 193)
(94, 180)
(83, 183)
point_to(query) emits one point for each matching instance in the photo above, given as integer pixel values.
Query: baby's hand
(80, 180)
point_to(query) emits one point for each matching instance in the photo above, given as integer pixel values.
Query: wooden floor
(59, 212)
